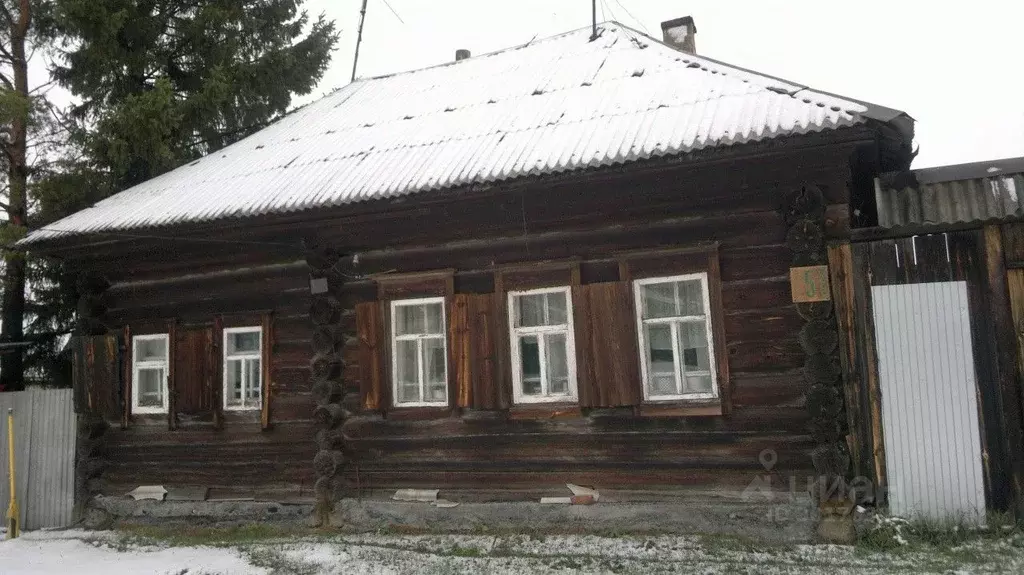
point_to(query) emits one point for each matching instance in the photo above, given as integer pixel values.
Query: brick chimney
(461, 54)
(681, 33)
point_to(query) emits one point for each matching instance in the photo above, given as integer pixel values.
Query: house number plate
(809, 283)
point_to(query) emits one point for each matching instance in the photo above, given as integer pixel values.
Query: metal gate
(927, 380)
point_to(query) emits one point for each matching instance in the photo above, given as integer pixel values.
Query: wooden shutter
(373, 372)
(473, 349)
(607, 361)
(195, 374)
(126, 378)
(218, 370)
(266, 358)
(98, 385)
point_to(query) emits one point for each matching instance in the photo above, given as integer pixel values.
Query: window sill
(545, 411)
(682, 409)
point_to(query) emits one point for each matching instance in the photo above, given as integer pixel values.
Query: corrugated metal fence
(44, 437)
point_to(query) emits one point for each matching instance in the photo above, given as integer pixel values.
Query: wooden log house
(565, 261)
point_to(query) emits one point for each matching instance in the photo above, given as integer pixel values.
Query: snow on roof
(553, 105)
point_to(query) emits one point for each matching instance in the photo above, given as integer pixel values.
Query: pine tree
(16, 107)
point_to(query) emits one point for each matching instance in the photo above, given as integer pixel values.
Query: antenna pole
(359, 39)
(593, 11)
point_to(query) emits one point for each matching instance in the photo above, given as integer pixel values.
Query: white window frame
(570, 349)
(418, 338)
(226, 357)
(140, 365)
(674, 320)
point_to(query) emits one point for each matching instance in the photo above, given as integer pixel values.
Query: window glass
(243, 342)
(435, 370)
(698, 384)
(557, 367)
(529, 358)
(659, 300)
(674, 329)
(409, 320)
(407, 371)
(531, 310)
(556, 308)
(234, 382)
(243, 373)
(691, 298)
(541, 342)
(150, 350)
(693, 340)
(150, 387)
(253, 390)
(418, 319)
(420, 355)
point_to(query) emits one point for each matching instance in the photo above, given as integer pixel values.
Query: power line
(635, 19)
(388, 4)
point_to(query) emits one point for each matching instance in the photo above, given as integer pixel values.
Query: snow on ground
(115, 553)
(86, 553)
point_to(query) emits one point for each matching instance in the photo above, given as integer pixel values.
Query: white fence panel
(44, 437)
(929, 403)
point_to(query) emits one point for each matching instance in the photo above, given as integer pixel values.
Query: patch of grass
(459, 551)
(277, 563)
(951, 538)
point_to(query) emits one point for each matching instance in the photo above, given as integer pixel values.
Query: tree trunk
(12, 376)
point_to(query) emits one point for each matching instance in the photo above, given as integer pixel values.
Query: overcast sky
(954, 67)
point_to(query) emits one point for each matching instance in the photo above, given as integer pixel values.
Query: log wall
(236, 453)
(737, 205)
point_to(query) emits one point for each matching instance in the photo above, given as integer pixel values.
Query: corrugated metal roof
(958, 194)
(554, 105)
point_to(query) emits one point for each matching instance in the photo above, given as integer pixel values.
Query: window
(149, 373)
(419, 353)
(543, 351)
(243, 369)
(674, 329)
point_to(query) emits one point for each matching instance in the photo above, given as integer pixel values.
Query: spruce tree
(158, 83)
(162, 82)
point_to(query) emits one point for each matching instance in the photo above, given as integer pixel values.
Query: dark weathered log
(89, 283)
(322, 259)
(819, 336)
(330, 439)
(326, 391)
(87, 448)
(812, 258)
(831, 459)
(323, 489)
(826, 429)
(92, 467)
(325, 367)
(325, 310)
(814, 310)
(91, 305)
(823, 369)
(91, 427)
(328, 463)
(327, 339)
(330, 415)
(805, 236)
(806, 203)
(352, 402)
(90, 326)
(823, 400)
